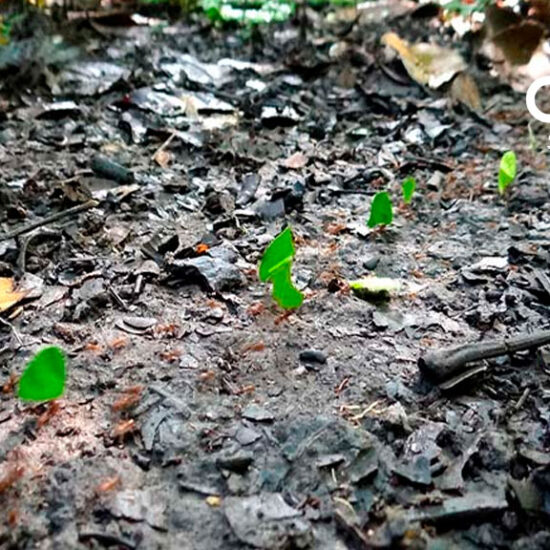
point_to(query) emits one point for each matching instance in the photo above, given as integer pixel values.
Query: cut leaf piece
(44, 376)
(507, 171)
(276, 265)
(408, 186)
(374, 288)
(381, 212)
(284, 291)
(8, 295)
(280, 250)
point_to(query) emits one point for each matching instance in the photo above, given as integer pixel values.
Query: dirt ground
(197, 415)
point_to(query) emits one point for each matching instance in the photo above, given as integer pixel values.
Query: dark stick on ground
(107, 168)
(107, 539)
(50, 219)
(439, 365)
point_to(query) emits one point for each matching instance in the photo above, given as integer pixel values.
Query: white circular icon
(530, 99)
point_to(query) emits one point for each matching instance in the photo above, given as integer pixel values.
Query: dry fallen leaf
(516, 38)
(518, 43)
(162, 158)
(516, 47)
(296, 161)
(540, 10)
(428, 64)
(464, 89)
(8, 295)
(190, 106)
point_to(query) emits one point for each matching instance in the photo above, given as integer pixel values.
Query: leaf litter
(324, 433)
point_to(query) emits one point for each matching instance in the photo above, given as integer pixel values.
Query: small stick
(165, 144)
(106, 539)
(107, 168)
(462, 377)
(45, 232)
(13, 329)
(118, 298)
(522, 399)
(138, 285)
(50, 219)
(444, 363)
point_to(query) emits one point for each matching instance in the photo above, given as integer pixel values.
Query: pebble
(257, 413)
(313, 356)
(371, 262)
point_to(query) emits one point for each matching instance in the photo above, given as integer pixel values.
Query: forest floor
(197, 415)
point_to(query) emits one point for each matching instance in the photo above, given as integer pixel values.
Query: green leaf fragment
(276, 265)
(408, 186)
(374, 287)
(280, 251)
(507, 171)
(284, 291)
(44, 376)
(381, 212)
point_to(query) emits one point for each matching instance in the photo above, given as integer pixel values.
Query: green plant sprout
(381, 212)
(408, 186)
(276, 265)
(533, 145)
(507, 171)
(44, 376)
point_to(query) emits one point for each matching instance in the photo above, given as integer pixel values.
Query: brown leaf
(515, 37)
(163, 158)
(518, 43)
(464, 89)
(540, 9)
(515, 45)
(8, 295)
(499, 19)
(296, 161)
(428, 64)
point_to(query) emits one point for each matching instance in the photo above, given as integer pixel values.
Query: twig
(444, 363)
(164, 144)
(13, 329)
(462, 377)
(366, 411)
(522, 399)
(45, 232)
(118, 298)
(138, 285)
(50, 219)
(107, 539)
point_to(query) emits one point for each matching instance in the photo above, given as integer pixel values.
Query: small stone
(247, 436)
(214, 501)
(313, 356)
(237, 462)
(140, 323)
(257, 414)
(215, 271)
(416, 472)
(371, 262)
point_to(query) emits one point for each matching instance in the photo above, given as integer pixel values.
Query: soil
(197, 413)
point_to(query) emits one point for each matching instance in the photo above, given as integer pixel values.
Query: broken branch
(53, 218)
(439, 365)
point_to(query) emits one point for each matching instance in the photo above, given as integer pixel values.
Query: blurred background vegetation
(15, 14)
